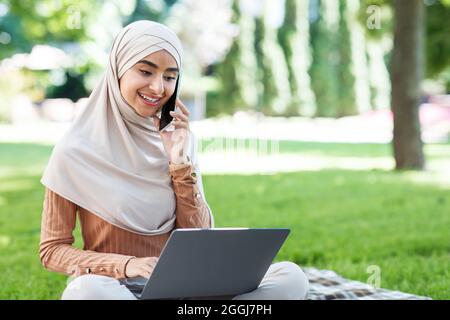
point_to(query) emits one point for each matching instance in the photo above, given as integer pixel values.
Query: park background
(329, 117)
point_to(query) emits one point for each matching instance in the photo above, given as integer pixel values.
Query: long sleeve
(56, 250)
(192, 210)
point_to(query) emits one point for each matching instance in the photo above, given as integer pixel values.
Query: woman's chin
(144, 111)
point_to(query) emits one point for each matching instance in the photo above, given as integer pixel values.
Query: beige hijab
(111, 161)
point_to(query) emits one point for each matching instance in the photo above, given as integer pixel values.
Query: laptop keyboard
(135, 285)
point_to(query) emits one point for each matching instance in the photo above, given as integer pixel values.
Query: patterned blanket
(328, 285)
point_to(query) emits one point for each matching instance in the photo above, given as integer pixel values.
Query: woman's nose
(157, 87)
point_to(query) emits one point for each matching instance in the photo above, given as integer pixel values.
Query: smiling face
(149, 84)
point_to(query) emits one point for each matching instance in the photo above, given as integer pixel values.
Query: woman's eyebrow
(151, 64)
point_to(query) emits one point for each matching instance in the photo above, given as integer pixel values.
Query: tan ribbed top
(108, 248)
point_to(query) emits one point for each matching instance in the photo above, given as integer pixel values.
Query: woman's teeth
(152, 101)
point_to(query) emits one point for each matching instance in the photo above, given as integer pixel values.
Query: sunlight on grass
(439, 179)
(438, 150)
(4, 241)
(16, 185)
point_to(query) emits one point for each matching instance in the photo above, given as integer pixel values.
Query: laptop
(204, 263)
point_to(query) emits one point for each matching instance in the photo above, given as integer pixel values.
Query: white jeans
(283, 281)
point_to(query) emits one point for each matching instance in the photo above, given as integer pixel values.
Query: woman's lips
(148, 103)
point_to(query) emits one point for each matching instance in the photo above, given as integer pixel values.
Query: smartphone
(166, 118)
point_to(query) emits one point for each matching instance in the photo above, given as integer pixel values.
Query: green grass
(342, 220)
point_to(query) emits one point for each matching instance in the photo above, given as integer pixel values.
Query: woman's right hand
(140, 267)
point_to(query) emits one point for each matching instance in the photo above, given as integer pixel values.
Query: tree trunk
(407, 72)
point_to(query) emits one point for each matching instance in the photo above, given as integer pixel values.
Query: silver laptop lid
(213, 262)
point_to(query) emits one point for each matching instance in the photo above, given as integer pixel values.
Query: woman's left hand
(175, 142)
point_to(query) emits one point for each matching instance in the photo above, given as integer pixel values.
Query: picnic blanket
(323, 285)
(328, 285)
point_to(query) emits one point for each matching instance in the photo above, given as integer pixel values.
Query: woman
(131, 183)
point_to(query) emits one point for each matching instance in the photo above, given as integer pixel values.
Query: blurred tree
(266, 78)
(375, 16)
(380, 85)
(73, 88)
(324, 36)
(346, 104)
(237, 72)
(407, 73)
(407, 66)
(74, 27)
(294, 38)
(205, 29)
(227, 98)
(156, 10)
(44, 22)
(207, 33)
(438, 41)
(277, 94)
(248, 75)
(358, 41)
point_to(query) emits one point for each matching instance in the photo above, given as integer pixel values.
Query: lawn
(344, 220)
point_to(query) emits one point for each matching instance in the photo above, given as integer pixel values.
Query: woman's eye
(148, 73)
(145, 73)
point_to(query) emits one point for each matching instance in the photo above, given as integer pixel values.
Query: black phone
(166, 118)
